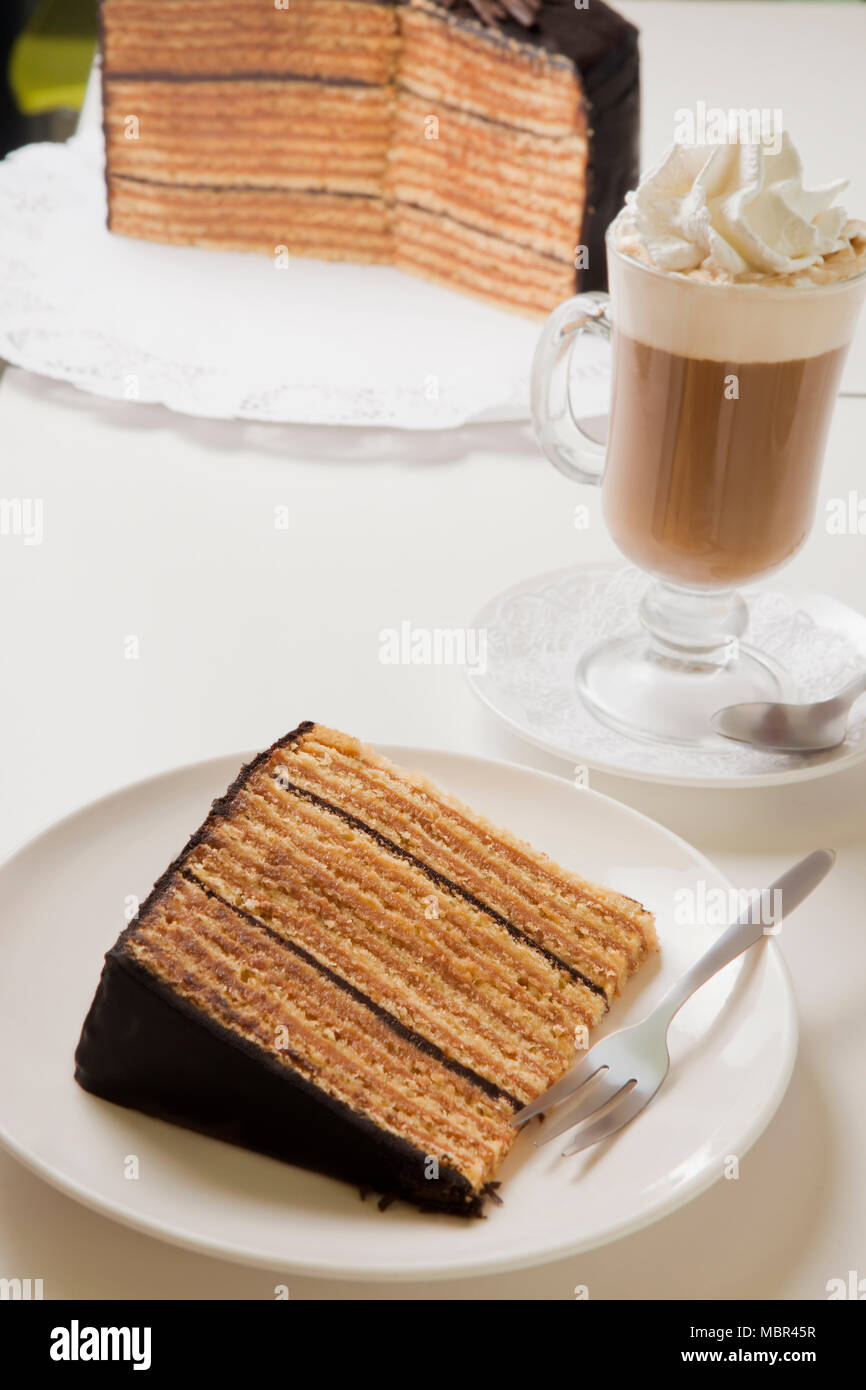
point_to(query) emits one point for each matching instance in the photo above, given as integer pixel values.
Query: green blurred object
(51, 59)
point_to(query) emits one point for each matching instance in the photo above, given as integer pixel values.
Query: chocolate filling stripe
(239, 77)
(247, 188)
(408, 1034)
(436, 877)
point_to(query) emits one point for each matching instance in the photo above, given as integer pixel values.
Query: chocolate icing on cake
(146, 1048)
(491, 11)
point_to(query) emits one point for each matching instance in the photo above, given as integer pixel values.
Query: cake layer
(600, 933)
(461, 258)
(252, 134)
(472, 68)
(327, 226)
(352, 39)
(526, 188)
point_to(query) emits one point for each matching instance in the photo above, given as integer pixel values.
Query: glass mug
(721, 401)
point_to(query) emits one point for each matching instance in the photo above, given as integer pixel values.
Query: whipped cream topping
(735, 211)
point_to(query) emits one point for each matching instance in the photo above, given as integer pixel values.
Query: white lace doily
(538, 629)
(226, 334)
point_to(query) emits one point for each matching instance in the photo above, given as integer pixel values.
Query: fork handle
(793, 886)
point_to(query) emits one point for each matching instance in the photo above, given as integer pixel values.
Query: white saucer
(62, 902)
(538, 629)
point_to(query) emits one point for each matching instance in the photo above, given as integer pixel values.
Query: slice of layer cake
(488, 154)
(348, 969)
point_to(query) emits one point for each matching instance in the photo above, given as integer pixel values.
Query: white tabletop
(162, 527)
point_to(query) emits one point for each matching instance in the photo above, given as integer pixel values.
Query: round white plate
(537, 630)
(62, 900)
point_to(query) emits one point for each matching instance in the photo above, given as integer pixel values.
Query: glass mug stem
(700, 629)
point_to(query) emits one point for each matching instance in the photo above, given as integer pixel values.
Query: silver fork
(634, 1062)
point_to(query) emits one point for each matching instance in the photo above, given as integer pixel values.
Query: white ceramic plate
(62, 900)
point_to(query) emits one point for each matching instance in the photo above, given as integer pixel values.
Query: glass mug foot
(665, 683)
(630, 687)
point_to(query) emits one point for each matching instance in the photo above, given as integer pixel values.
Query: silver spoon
(791, 728)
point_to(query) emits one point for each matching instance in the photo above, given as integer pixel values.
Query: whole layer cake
(482, 156)
(348, 969)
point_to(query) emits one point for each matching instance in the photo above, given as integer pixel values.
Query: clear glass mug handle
(556, 426)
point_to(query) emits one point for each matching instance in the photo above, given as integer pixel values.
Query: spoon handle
(794, 885)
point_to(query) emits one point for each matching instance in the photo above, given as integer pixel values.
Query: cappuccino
(724, 382)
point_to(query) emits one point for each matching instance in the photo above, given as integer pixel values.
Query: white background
(162, 527)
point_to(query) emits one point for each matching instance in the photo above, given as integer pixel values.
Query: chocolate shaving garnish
(492, 11)
(489, 1190)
